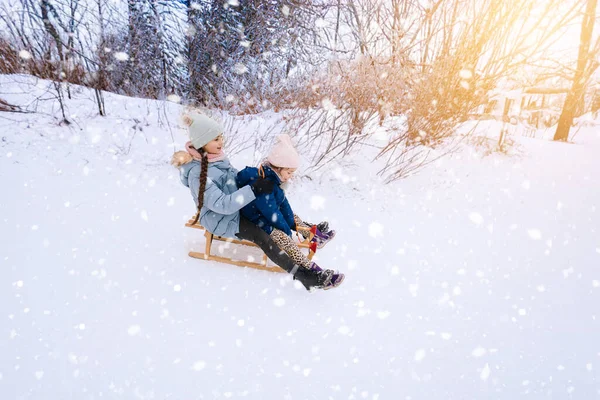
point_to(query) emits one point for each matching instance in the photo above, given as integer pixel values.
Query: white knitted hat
(202, 129)
(283, 154)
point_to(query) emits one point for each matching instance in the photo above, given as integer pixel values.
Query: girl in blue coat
(272, 211)
(206, 171)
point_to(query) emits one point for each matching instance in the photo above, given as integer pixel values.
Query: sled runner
(303, 244)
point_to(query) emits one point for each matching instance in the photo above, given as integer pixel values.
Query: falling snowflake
(190, 30)
(485, 373)
(375, 230)
(198, 365)
(327, 104)
(285, 10)
(174, 98)
(239, 199)
(25, 55)
(121, 56)
(567, 272)
(478, 352)
(420, 355)
(383, 314)
(344, 330)
(240, 68)
(279, 302)
(476, 218)
(134, 330)
(465, 74)
(413, 288)
(534, 234)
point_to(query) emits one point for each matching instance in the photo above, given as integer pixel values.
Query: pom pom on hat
(202, 129)
(283, 154)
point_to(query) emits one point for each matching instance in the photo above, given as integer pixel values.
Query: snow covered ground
(477, 278)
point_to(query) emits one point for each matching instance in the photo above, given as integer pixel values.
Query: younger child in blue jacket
(272, 212)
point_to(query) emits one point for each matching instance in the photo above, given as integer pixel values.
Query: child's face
(214, 146)
(286, 173)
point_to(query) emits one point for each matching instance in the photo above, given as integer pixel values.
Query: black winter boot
(323, 226)
(313, 280)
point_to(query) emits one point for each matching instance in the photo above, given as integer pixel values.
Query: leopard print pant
(287, 244)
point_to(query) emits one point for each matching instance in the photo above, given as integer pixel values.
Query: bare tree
(576, 93)
(452, 53)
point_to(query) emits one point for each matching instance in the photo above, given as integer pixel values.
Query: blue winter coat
(268, 211)
(222, 199)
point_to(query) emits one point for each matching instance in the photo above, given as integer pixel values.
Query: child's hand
(262, 186)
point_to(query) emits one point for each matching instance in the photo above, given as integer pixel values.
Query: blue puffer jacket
(222, 199)
(268, 211)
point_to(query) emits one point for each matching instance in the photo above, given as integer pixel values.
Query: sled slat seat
(263, 265)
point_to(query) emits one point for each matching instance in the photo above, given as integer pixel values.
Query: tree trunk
(574, 95)
(133, 41)
(51, 30)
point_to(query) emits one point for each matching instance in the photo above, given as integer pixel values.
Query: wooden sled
(263, 265)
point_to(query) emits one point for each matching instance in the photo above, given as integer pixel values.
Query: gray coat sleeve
(217, 201)
(221, 203)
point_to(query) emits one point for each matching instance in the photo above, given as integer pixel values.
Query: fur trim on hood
(180, 158)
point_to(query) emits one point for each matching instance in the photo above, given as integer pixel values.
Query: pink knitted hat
(283, 154)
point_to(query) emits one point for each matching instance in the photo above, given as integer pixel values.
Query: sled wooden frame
(305, 244)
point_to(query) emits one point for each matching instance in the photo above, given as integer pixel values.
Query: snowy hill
(477, 278)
